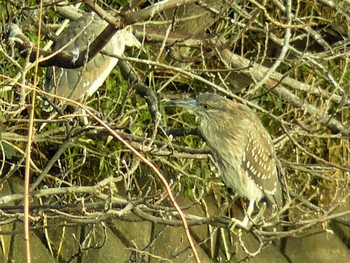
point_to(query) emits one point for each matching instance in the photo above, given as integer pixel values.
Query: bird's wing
(259, 160)
(76, 83)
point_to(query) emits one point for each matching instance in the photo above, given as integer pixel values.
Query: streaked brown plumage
(241, 146)
(81, 82)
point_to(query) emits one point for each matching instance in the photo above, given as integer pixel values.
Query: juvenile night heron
(240, 145)
(79, 83)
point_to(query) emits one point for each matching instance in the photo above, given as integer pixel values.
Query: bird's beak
(189, 104)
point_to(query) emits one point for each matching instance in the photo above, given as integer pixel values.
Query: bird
(79, 83)
(241, 146)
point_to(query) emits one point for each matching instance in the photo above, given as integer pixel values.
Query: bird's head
(207, 106)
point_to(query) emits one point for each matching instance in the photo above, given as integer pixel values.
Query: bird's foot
(244, 225)
(259, 217)
(248, 221)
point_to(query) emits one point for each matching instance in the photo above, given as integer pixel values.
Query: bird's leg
(258, 218)
(248, 217)
(83, 120)
(249, 213)
(245, 223)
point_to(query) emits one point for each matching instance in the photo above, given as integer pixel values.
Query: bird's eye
(206, 106)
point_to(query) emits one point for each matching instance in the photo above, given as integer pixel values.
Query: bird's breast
(228, 148)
